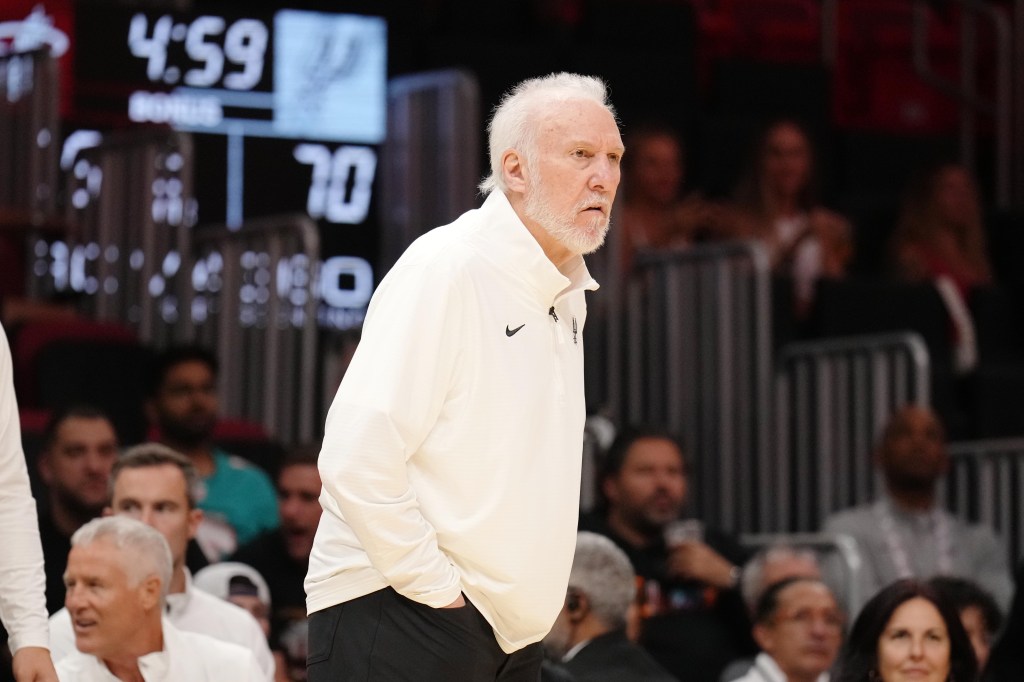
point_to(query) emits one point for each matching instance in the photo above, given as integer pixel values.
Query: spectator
(118, 572)
(22, 579)
(905, 533)
(940, 238)
(655, 215)
(589, 635)
(693, 618)
(156, 485)
(281, 555)
(772, 565)
(940, 231)
(451, 456)
(778, 205)
(768, 567)
(906, 632)
(79, 448)
(1006, 660)
(799, 627)
(239, 501)
(978, 612)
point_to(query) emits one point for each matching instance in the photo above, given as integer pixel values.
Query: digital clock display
(286, 110)
(294, 74)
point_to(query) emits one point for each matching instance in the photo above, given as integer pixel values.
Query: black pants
(385, 637)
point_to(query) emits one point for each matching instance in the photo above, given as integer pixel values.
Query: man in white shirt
(799, 627)
(155, 485)
(22, 603)
(118, 571)
(452, 452)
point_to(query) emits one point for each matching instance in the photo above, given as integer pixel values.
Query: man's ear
(577, 607)
(514, 170)
(149, 591)
(43, 466)
(195, 517)
(610, 490)
(763, 636)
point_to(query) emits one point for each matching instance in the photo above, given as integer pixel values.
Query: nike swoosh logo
(511, 332)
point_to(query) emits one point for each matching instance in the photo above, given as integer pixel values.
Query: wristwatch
(734, 577)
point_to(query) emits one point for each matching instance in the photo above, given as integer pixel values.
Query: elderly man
(906, 533)
(154, 484)
(589, 635)
(774, 564)
(451, 455)
(799, 627)
(117, 576)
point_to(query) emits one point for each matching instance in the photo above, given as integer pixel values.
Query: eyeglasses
(807, 617)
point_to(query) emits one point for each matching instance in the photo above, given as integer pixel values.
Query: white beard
(563, 228)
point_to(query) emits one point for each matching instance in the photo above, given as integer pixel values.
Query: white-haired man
(450, 461)
(155, 485)
(116, 580)
(589, 635)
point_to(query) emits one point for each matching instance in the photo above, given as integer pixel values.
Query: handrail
(844, 545)
(999, 107)
(282, 346)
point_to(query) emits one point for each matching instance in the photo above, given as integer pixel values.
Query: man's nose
(72, 597)
(605, 176)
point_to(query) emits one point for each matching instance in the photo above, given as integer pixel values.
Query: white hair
(602, 572)
(514, 123)
(146, 551)
(752, 585)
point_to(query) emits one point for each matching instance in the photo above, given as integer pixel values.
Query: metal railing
(986, 485)
(966, 91)
(429, 162)
(694, 355)
(832, 399)
(253, 300)
(29, 136)
(1008, 95)
(838, 556)
(130, 209)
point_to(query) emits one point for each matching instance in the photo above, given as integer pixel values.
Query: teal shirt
(241, 494)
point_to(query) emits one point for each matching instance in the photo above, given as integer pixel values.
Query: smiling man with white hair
(117, 578)
(451, 456)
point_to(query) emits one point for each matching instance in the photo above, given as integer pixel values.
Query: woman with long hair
(907, 632)
(940, 230)
(777, 204)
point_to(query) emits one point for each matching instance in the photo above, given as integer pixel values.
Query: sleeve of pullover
(22, 591)
(390, 398)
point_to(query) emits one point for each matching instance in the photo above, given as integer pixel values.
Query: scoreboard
(287, 110)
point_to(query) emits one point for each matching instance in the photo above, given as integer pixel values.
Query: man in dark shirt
(281, 556)
(589, 638)
(78, 452)
(693, 618)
